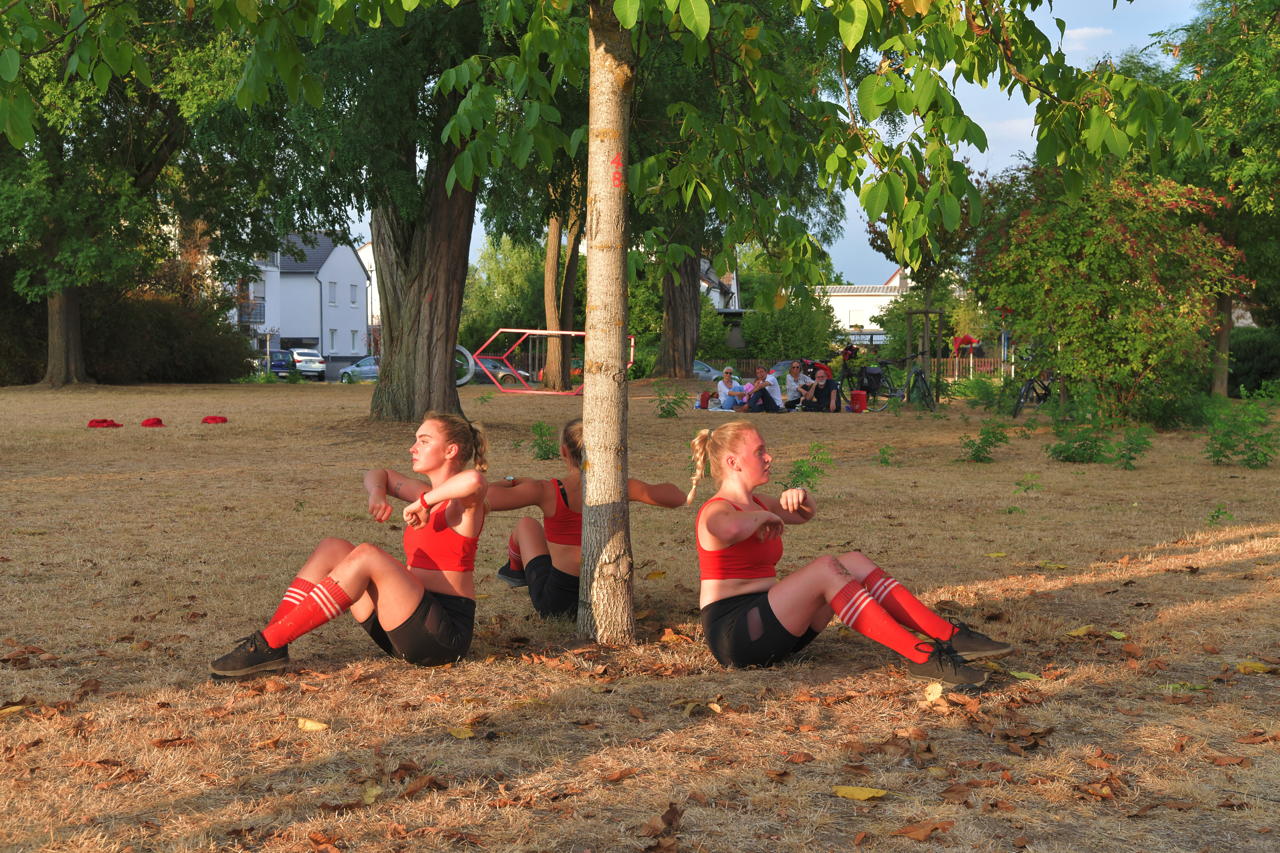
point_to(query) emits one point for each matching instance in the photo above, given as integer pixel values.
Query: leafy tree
(1112, 290)
(502, 291)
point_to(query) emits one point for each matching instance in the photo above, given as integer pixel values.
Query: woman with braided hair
(749, 617)
(421, 610)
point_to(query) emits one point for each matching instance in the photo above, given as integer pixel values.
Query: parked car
(280, 362)
(364, 370)
(503, 374)
(309, 362)
(705, 372)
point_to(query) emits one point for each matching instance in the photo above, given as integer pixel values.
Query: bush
(670, 400)
(646, 361)
(987, 393)
(1240, 434)
(1255, 358)
(991, 436)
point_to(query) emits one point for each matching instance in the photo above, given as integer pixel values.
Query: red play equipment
(504, 357)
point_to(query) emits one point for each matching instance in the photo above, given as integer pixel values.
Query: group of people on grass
(422, 610)
(813, 390)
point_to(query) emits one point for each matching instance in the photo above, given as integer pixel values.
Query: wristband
(422, 499)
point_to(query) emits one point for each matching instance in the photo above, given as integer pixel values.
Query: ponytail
(709, 448)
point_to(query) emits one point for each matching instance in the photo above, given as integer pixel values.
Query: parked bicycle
(881, 387)
(1034, 392)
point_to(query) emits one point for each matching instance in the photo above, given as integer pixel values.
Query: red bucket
(857, 401)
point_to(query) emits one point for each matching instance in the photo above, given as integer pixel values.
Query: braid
(699, 445)
(480, 447)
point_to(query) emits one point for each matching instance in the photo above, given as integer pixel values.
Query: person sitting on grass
(765, 396)
(547, 557)
(731, 393)
(800, 386)
(750, 618)
(422, 610)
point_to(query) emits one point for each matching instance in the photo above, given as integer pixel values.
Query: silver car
(309, 362)
(364, 370)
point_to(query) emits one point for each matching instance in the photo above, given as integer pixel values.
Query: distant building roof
(313, 257)
(859, 290)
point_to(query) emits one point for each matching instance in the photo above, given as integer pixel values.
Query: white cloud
(1079, 38)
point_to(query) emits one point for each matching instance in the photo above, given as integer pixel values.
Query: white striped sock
(326, 601)
(855, 607)
(881, 587)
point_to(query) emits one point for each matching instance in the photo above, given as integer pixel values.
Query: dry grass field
(1140, 711)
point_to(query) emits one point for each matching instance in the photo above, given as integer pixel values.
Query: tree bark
(681, 316)
(1222, 346)
(422, 269)
(605, 609)
(555, 376)
(65, 365)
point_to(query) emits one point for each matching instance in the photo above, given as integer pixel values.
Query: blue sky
(1094, 30)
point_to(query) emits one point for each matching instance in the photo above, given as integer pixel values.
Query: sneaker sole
(949, 683)
(990, 655)
(513, 582)
(269, 666)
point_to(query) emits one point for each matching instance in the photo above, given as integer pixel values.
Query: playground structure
(531, 359)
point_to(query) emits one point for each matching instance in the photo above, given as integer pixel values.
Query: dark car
(502, 374)
(281, 362)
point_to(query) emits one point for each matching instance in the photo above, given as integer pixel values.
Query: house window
(333, 339)
(353, 340)
(355, 295)
(333, 293)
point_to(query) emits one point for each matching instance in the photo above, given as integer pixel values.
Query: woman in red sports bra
(421, 610)
(749, 617)
(547, 557)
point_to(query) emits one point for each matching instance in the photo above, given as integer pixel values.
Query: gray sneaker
(512, 577)
(972, 645)
(945, 665)
(250, 657)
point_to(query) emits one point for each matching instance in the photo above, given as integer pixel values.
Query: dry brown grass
(131, 557)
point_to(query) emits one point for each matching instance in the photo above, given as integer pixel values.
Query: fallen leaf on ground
(1025, 676)
(461, 732)
(653, 576)
(1118, 635)
(933, 692)
(619, 775)
(857, 792)
(1080, 632)
(166, 742)
(798, 758)
(1250, 666)
(957, 793)
(992, 554)
(309, 725)
(922, 831)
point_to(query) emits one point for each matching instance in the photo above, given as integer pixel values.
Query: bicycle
(880, 387)
(1034, 392)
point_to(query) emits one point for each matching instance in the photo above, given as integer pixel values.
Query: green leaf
(102, 76)
(9, 62)
(950, 212)
(628, 12)
(575, 139)
(897, 191)
(248, 9)
(312, 91)
(852, 23)
(869, 94)
(1117, 142)
(696, 15)
(874, 197)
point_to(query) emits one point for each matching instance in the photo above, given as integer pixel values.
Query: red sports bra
(749, 558)
(436, 545)
(564, 526)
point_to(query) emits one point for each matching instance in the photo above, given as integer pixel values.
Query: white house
(855, 304)
(366, 257)
(319, 302)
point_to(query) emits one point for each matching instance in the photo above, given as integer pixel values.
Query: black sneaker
(972, 645)
(946, 666)
(513, 577)
(250, 657)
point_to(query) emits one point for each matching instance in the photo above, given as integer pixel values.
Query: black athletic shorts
(726, 627)
(439, 631)
(553, 592)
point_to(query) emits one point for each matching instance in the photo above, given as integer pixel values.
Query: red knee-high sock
(855, 607)
(326, 601)
(513, 553)
(905, 607)
(293, 596)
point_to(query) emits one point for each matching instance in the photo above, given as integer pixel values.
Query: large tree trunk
(681, 315)
(65, 365)
(1222, 346)
(605, 607)
(422, 269)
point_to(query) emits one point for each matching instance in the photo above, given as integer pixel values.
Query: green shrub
(1079, 442)
(808, 471)
(885, 455)
(1255, 357)
(987, 393)
(1241, 434)
(646, 360)
(990, 436)
(669, 400)
(545, 445)
(1131, 445)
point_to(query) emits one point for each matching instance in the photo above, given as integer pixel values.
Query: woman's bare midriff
(566, 558)
(716, 589)
(447, 583)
